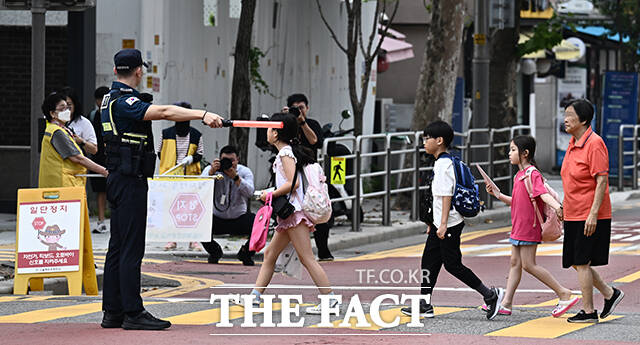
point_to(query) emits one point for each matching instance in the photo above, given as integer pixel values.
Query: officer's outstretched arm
(175, 113)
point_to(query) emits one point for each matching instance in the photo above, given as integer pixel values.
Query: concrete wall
(400, 81)
(195, 62)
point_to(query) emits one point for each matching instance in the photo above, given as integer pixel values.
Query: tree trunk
(241, 86)
(437, 83)
(502, 71)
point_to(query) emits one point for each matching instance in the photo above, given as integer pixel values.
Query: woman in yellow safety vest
(61, 158)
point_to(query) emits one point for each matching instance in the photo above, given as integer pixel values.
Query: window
(210, 12)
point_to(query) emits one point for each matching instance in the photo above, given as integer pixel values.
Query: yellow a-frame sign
(53, 239)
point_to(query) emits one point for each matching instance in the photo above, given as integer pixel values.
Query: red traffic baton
(252, 124)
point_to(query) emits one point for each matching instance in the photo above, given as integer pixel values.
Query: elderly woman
(61, 158)
(587, 210)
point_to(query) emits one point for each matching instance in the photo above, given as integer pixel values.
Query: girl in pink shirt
(526, 232)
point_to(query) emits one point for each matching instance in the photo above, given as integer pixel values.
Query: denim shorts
(522, 243)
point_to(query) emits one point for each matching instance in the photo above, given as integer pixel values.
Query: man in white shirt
(230, 203)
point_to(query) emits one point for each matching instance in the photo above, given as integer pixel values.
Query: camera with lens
(295, 111)
(225, 164)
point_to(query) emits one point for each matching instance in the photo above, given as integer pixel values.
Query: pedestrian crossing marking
(388, 316)
(549, 303)
(628, 278)
(48, 314)
(187, 284)
(209, 316)
(34, 298)
(103, 258)
(493, 249)
(547, 327)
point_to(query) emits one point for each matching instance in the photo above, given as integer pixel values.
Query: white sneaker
(316, 310)
(240, 302)
(101, 229)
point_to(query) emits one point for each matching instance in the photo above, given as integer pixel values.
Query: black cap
(128, 59)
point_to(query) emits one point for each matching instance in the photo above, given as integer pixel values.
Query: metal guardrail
(414, 139)
(622, 139)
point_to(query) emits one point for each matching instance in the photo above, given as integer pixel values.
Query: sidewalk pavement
(341, 236)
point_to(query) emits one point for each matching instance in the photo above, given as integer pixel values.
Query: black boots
(245, 255)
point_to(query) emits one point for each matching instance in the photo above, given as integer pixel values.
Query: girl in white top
(296, 228)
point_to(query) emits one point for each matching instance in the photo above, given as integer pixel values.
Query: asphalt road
(180, 290)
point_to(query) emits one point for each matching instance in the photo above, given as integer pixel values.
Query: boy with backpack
(443, 241)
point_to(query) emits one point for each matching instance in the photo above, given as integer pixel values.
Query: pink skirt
(293, 220)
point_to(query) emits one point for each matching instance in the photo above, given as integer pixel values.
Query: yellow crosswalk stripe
(209, 316)
(48, 314)
(187, 284)
(388, 316)
(150, 261)
(34, 298)
(545, 327)
(629, 278)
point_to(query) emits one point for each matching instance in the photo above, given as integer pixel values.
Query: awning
(600, 31)
(397, 49)
(567, 51)
(563, 51)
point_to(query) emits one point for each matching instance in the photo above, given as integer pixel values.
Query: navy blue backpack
(466, 199)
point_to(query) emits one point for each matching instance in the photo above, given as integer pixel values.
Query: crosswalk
(532, 321)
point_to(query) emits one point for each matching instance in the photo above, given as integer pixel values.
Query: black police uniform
(130, 160)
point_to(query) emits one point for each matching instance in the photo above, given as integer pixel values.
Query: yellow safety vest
(168, 155)
(55, 171)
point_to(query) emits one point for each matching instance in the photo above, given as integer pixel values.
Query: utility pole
(38, 11)
(481, 60)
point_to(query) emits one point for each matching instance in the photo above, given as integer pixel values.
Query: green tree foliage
(626, 23)
(546, 35)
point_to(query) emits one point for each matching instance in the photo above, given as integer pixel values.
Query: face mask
(65, 115)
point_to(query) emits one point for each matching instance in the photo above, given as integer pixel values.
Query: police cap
(128, 59)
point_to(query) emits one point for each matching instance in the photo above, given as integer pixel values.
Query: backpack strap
(456, 168)
(528, 183)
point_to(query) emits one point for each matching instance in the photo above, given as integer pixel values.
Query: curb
(57, 285)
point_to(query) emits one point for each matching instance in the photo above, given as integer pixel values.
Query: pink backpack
(551, 225)
(261, 226)
(316, 204)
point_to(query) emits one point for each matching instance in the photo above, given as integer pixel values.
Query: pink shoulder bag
(551, 225)
(261, 226)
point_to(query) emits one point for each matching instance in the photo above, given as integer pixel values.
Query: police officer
(126, 127)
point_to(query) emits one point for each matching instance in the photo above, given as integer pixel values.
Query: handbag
(261, 226)
(281, 205)
(551, 225)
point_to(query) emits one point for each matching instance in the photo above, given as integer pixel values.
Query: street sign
(619, 107)
(480, 39)
(53, 239)
(186, 210)
(179, 209)
(338, 169)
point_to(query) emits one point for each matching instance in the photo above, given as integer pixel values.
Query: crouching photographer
(230, 204)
